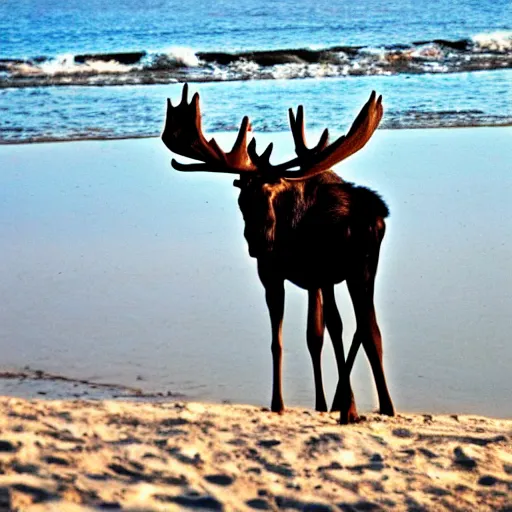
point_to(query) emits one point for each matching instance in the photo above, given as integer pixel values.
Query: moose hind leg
(315, 339)
(344, 397)
(368, 334)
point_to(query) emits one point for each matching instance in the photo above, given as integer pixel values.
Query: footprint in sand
(463, 460)
(54, 459)
(488, 480)
(269, 443)
(8, 447)
(404, 433)
(222, 480)
(191, 501)
(258, 504)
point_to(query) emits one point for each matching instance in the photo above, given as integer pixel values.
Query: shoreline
(31, 384)
(223, 133)
(96, 455)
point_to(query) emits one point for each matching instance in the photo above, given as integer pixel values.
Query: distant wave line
(481, 52)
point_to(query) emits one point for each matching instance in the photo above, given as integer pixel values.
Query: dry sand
(79, 455)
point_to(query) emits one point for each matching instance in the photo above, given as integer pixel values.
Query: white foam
(245, 67)
(288, 71)
(65, 64)
(24, 69)
(182, 56)
(500, 40)
(429, 51)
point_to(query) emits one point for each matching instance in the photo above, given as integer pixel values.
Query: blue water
(30, 28)
(47, 94)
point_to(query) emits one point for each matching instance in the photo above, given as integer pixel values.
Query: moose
(305, 224)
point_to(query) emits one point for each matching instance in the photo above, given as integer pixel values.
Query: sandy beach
(77, 455)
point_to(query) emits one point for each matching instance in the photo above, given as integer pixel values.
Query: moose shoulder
(314, 231)
(307, 226)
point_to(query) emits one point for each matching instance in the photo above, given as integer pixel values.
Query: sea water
(74, 70)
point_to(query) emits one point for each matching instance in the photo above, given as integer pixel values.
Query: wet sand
(77, 455)
(116, 269)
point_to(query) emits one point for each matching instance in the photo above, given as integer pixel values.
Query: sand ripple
(108, 455)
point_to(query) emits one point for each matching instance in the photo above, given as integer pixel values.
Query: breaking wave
(486, 51)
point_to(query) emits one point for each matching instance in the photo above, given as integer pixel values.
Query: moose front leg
(315, 338)
(344, 397)
(274, 295)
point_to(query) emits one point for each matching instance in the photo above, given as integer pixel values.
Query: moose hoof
(388, 410)
(337, 405)
(350, 416)
(277, 407)
(321, 407)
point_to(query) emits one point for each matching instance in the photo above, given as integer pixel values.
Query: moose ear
(237, 183)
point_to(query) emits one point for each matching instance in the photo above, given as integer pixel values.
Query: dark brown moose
(305, 225)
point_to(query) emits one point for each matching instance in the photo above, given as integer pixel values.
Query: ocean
(73, 70)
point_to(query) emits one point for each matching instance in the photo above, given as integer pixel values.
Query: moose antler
(299, 136)
(323, 157)
(183, 135)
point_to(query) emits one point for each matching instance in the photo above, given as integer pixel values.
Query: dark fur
(317, 233)
(307, 228)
